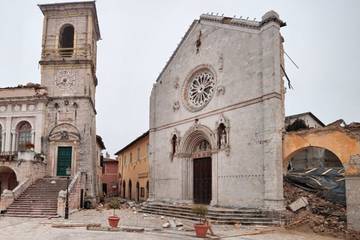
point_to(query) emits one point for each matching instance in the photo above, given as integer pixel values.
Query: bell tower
(68, 71)
(69, 46)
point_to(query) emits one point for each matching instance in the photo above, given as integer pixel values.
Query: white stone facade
(238, 122)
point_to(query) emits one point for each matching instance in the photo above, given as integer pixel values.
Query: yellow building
(134, 169)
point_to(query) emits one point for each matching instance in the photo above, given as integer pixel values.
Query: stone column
(13, 142)
(7, 140)
(214, 179)
(353, 202)
(3, 142)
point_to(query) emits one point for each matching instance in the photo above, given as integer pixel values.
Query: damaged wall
(346, 146)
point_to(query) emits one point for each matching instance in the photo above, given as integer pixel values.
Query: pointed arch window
(173, 144)
(66, 40)
(23, 132)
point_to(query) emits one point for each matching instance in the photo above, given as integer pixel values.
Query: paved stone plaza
(31, 228)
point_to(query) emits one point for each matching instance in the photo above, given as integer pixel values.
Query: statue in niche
(222, 138)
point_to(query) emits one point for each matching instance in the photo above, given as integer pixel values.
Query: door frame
(57, 159)
(54, 156)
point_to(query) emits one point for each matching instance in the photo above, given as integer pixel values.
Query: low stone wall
(74, 189)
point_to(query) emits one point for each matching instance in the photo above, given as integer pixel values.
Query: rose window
(200, 89)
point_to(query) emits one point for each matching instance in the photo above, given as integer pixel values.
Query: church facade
(51, 127)
(217, 116)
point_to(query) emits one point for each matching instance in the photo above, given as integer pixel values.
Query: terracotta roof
(304, 114)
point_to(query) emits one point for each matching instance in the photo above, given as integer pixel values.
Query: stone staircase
(217, 215)
(39, 200)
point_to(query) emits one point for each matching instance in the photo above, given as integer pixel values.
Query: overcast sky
(139, 36)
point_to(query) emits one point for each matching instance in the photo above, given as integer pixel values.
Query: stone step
(32, 212)
(210, 212)
(210, 209)
(218, 215)
(245, 221)
(32, 207)
(210, 215)
(30, 215)
(226, 218)
(39, 200)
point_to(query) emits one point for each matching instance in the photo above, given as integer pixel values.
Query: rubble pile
(318, 214)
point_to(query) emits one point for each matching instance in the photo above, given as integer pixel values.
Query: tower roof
(45, 8)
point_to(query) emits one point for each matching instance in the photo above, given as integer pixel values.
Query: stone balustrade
(9, 196)
(74, 189)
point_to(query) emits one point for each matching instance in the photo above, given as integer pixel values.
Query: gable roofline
(270, 16)
(177, 49)
(306, 113)
(134, 141)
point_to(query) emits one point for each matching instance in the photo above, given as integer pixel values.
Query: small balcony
(66, 53)
(8, 156)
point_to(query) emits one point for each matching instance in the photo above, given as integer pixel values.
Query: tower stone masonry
(68, 71)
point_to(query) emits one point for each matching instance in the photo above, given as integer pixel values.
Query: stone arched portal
(346, 146)
(196, 154)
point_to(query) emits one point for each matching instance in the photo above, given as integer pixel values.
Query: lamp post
(68, 172)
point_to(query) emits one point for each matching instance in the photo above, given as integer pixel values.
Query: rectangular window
(148, 150)
(138, 154)
(142, 192)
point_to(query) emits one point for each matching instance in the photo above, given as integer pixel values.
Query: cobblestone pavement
(40, 229)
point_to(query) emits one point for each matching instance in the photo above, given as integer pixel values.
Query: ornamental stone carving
(65, 79)
(222, 136)
(176, 106)
(220, 90)
(64, 132)
(199, 89)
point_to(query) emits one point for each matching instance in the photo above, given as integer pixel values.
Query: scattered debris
(320, 215)
(237, 225)
(166, 225)
(172, 223)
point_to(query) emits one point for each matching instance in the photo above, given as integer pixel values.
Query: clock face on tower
(65, 79)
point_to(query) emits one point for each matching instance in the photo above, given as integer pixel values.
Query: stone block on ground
(172, 223)
(298, 204)
(166, 225)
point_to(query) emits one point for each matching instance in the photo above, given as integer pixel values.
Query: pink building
(110, 177)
